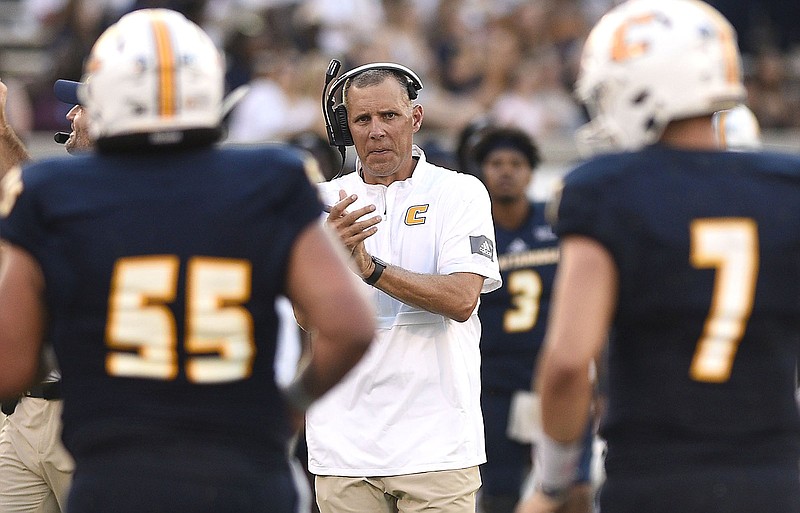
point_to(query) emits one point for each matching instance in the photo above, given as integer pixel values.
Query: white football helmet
(156, 73)
(647, 62)
(737, 129)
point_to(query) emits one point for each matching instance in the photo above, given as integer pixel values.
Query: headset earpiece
(412, 89)
(341, 129)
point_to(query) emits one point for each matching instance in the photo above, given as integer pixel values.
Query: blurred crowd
(512, 61)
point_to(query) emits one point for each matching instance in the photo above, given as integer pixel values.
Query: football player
(683, 258)
(153, 265)
(513, 320)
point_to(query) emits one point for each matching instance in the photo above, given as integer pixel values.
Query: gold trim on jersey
(530, 258)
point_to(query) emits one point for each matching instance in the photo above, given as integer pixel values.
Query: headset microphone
(330, 74)
(61, 137)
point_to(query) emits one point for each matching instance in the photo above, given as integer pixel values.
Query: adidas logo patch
(482, 245)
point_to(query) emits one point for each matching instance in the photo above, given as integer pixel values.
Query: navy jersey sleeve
(20, 215)
(583, 206)
(301, 203)
(297, 202)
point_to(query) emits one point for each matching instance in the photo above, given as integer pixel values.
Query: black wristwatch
(380, 266)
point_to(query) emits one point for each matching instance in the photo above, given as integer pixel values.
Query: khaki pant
(449, 491)
(35, 469)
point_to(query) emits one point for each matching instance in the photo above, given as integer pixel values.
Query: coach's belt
(50, 390)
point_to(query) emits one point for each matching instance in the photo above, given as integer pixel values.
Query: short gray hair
(372, 77)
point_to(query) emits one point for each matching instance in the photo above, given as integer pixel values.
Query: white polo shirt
(412, 404)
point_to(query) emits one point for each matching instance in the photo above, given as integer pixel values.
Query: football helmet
(156, 75)
(647, 62)
(737, 129)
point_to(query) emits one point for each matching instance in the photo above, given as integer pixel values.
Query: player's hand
(351, 228)
(538, 503)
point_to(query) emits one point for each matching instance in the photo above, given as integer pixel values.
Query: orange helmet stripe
(166, 67)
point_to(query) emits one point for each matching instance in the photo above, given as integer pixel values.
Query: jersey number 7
(729, 245)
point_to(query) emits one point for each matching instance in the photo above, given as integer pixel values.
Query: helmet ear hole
(640, 98)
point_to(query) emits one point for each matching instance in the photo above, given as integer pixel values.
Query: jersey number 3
(730, 246)
(525, 287)
(141, 331)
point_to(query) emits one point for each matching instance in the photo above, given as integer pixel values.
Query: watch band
(380, 266)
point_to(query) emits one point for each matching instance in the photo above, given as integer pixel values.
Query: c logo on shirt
(414, 215)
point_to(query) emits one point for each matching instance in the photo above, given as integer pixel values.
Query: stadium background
(512, 61)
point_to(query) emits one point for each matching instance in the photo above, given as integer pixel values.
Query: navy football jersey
(513, 317)
(161, 273)
(705, 336)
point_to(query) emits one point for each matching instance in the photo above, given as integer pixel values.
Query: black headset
(336, 114)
